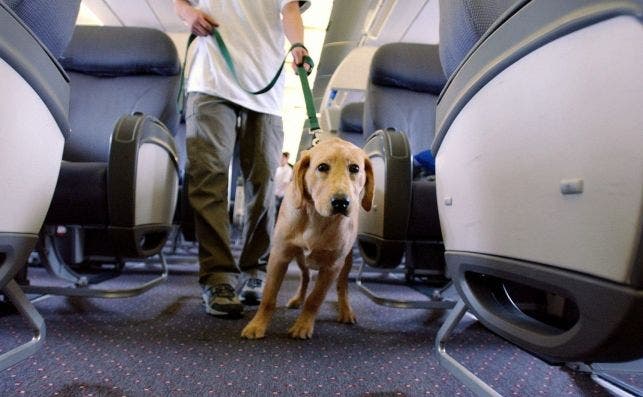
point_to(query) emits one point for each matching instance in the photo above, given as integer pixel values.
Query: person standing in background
(282, 179)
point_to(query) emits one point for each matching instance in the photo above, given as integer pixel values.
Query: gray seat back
(404, 84)
(35, 92)
(509, 292)
(116, 71)
(462, 24)
(52, 23)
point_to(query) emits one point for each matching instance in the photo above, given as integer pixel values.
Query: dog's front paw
(254, 330)
(347, 317)
(302, 329)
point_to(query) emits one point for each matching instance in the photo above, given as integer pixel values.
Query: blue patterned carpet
(163, 344)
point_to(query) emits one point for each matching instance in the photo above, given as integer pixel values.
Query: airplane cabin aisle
(161, 343)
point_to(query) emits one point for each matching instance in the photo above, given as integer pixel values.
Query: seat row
(89, 167)
(508, 160)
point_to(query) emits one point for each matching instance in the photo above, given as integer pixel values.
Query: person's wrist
(299, 45)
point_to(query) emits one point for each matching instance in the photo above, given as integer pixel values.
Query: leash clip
(318, 136)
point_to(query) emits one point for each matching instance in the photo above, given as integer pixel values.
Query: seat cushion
(81, 196)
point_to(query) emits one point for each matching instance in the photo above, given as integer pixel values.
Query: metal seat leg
(465, 376)
(35, 320)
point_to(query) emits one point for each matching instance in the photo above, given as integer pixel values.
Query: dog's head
(334, 176)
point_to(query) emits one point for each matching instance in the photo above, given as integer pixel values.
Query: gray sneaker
(252, 291)
(221, 299)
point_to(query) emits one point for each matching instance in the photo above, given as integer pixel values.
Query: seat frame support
(434, 302)
(26, 309)
(58, 267)
(477, 385)
(483, 389)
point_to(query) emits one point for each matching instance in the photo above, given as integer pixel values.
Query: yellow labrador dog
(317, 225)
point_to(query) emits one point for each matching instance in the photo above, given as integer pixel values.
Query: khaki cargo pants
(213, 125)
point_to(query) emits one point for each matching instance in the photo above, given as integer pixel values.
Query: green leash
(301, 71)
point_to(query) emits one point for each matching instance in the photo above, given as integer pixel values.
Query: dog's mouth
(340, 212)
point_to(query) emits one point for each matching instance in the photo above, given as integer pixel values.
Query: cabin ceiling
(159, 14)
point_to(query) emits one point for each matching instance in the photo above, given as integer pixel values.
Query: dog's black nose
(339, 204)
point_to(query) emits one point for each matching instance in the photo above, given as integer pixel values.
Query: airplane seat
(404, 83)
(350, 123)
(34, 107)
(117, 70)
(118, 185)
(542, 225)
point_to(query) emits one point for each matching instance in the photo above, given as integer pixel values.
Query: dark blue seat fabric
(404, 84)
(97, 102)
(81, 195)
(350, 123)
(423, 220)
(113, 51)
(116, 71)
(462, 23)
(53, 25)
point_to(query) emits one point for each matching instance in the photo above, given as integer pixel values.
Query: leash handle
(301, 71)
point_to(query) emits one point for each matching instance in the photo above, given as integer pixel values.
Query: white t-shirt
(253, 33)
(283, 175)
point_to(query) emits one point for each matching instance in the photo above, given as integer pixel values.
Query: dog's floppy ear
(369, 186)
(299, 179)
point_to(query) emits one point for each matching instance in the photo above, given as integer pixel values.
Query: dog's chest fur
(327, 241)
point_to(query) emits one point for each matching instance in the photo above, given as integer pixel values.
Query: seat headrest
(51, 21)
(351, 117)
(410, 66)
(120, 51)
(462, 24)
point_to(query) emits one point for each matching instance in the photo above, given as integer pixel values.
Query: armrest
(382, 231)
(142, 184)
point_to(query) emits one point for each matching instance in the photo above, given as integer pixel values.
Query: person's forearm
(293, 25)
(294, 31)
(182, 7)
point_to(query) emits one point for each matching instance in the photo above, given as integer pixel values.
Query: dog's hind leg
(277, 266)
(303, 327)
(299, 297)
(346, 314)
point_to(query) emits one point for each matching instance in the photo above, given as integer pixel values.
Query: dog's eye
(323, 167)
(353, 168)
